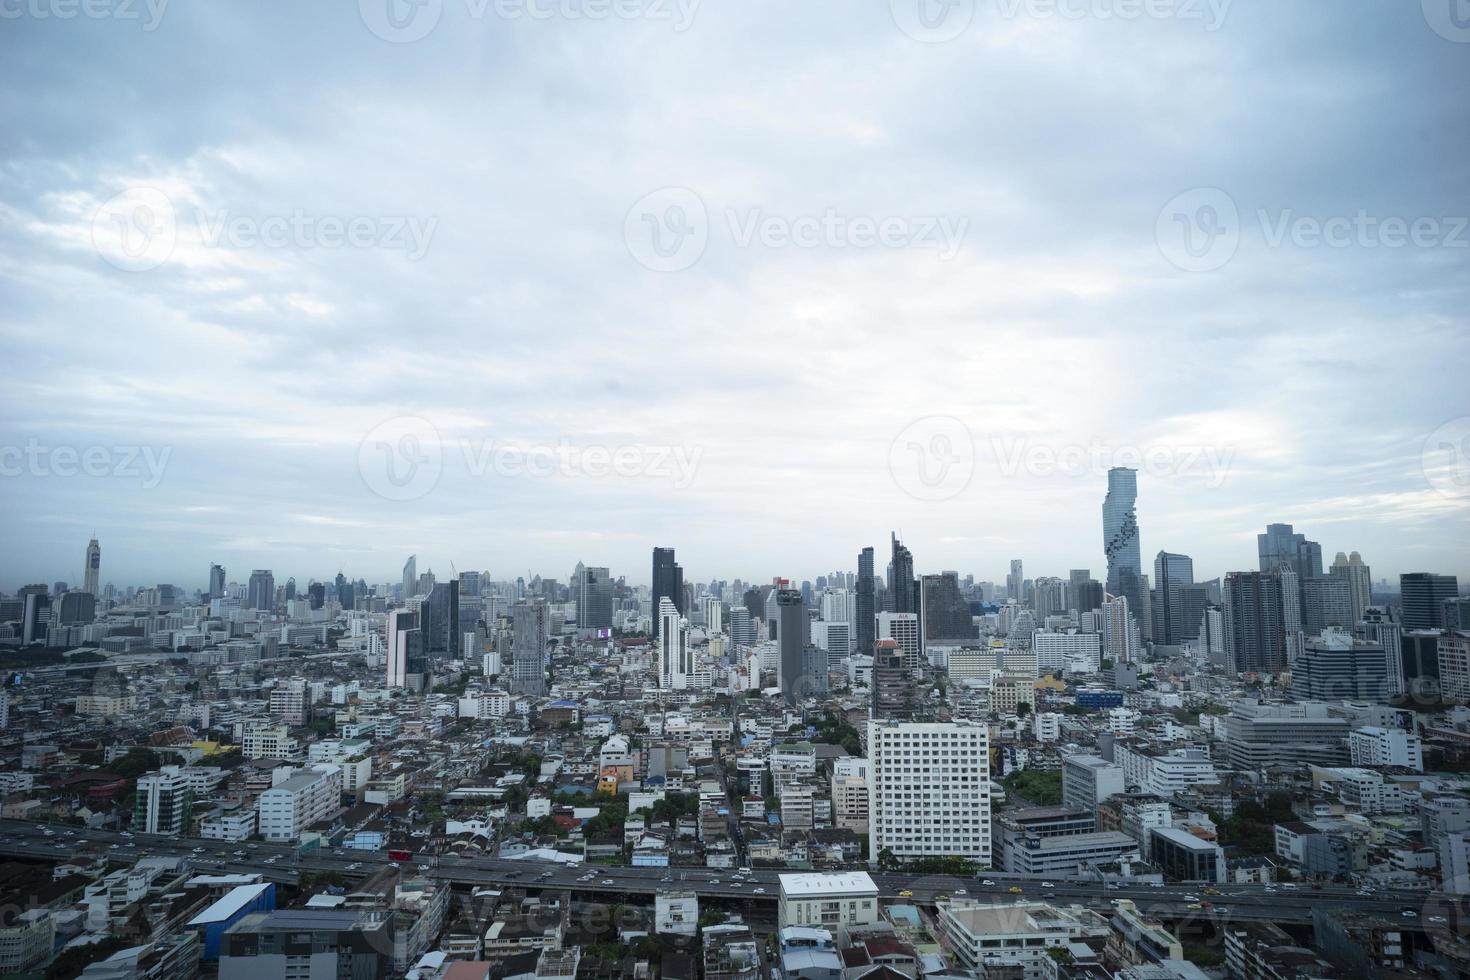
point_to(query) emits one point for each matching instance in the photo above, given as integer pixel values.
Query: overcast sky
(517, 283)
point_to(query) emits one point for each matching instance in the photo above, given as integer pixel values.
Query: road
(277, 862)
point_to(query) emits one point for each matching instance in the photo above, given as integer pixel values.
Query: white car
(607, 881)
(1047, 884)
(758, 891)
(988, 882)
(198, 850)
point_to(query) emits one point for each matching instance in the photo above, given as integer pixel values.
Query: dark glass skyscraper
(1173, 576)
(1255, 635)
(866, 608)
(668, 582)
(902, 586)
(1423, 595)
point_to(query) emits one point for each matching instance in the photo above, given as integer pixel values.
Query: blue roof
(233, 901)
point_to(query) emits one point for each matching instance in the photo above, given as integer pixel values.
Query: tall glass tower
(1120, 536)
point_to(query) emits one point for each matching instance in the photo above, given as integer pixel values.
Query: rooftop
(823, 885)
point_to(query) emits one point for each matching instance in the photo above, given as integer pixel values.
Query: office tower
(834, 639)
(742, 629)
(1454, 665)
(792, 636)
(903, 627)
(530, 631)
(929, 790)
(216, 581)
(74, 608)
(439, 619)
(36, 618)
(470, 583)
(93, 567)
(1049, 596)
(1360, 582)
(1456, 613)
(1014, 580)
(1282, 545)
(356, 943)
(835, 605)
(865, 605)
(1378, 626)
(1335, 667)
(1254, 632)
(399, 623)
(675, 656)
(713, 609)
(902, 586)
(346, 593)
(290, 589)
(316, 595)
(410, 577)
(593, 593)
(261, 593)
(1423, 596)
(1419, 662)
(668, 583)
(1173, 575)
(1327, 602)
(1120, 542)
(946, 615)
(1086, 596)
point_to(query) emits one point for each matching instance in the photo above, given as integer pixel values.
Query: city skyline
(243, 391)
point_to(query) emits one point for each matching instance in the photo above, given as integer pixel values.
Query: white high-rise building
(1070, 653)
(163, 802)
(1373, 747)
(298, 801)
(833, 637)
(675, 655)
(400, 621)
(903, 627)
(93, 568)
(839, 606)
(850, 794)
(929, 789)
(1360, 582)
(1047, 726)
(1120, 631)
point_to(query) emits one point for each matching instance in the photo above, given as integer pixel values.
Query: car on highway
(988, 882)
(762, 891)
(1014, 889)
(905, 893)
(198, 850)
(1047, 884)
(607, 881)
(1193, 905)
(1410, 914)
(353, 866)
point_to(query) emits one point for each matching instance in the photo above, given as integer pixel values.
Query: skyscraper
(1255, 635)
(529, 628)
(439, 619)
(261, 593)
(411, 577)
(216, 581)
(1015, 581)
(866, 607)
(946, 615)
(675, 656)
(400, 623)
(93, 567)
(1423, 595)
(1360, 582)
(792, 637)
(1282, 545)
(1173, 576)
(668, 583)
(902, 586)
(1120, 539)
(592, 588)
